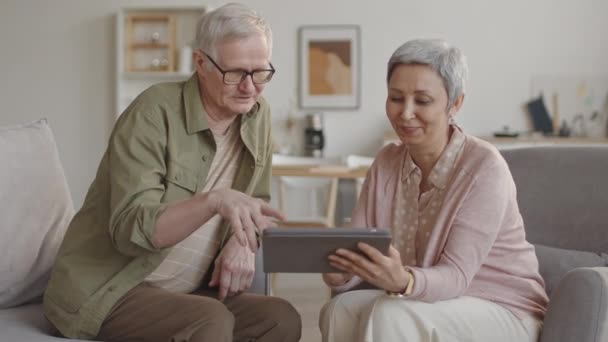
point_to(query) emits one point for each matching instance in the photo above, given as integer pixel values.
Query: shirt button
(204, 158)
(111, 288)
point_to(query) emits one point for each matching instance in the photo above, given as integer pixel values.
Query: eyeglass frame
(244, 72)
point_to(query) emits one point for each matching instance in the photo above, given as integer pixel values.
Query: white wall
(56, 60)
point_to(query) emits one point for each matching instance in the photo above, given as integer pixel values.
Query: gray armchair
(563, 197)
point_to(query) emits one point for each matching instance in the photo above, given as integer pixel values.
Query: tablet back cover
(305, 250)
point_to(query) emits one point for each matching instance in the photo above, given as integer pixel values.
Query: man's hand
(385, 272)
(234, 269)
(247, 215)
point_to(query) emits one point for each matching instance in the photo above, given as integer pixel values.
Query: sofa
(562, 193)
(36, 207)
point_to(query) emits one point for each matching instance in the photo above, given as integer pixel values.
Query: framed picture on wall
(330, 67)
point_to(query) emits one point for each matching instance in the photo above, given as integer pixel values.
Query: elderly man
(164, 244)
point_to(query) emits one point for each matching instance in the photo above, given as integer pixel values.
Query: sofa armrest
(578, 307)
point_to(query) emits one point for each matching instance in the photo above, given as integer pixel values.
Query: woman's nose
(408, 111)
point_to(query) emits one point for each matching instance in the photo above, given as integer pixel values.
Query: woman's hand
(385, 272)
(336, 279)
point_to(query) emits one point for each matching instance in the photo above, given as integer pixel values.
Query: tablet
(305, 250)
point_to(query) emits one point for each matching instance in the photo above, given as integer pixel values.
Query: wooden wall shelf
(149, 46)
(153, 45)
(524, 140)
(145, 32)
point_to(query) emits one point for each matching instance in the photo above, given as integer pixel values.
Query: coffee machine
(314, 140)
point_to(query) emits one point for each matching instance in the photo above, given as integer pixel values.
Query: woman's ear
(456, 107)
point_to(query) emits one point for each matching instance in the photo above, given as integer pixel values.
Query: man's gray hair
(228, 22)
(448, 61)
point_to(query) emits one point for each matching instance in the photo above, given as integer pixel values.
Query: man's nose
(246, 84)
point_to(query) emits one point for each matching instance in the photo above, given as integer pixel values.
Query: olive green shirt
(160, 151)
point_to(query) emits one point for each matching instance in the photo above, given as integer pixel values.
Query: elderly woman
(460, 268)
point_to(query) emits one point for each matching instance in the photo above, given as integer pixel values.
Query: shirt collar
(408, 167)
(196, 116)
(440, 174)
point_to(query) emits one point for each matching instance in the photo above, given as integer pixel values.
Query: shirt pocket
(180, 181)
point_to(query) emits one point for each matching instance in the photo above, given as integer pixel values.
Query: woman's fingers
(339, 263)
(336, 279)
(372, 253)
(367, 271)
(355, 258)
(394, 254)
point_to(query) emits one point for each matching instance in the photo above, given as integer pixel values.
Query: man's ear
(199, 60)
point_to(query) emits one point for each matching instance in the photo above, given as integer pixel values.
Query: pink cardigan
(478, 245)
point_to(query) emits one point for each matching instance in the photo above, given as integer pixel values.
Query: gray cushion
(556, 262)
(562, 193)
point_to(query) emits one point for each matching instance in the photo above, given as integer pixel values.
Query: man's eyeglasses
(237, 76)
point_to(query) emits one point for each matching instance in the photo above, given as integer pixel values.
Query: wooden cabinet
(153, 45)
(150, 42)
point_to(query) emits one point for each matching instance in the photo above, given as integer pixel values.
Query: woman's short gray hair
(228, 22)
(448, 61)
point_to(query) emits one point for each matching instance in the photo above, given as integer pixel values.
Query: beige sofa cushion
(35, 209)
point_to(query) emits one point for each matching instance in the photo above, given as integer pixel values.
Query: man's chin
(242, 108)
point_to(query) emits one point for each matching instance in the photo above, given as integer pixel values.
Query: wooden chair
(314, 196)
(306, 201)
(356, 161)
